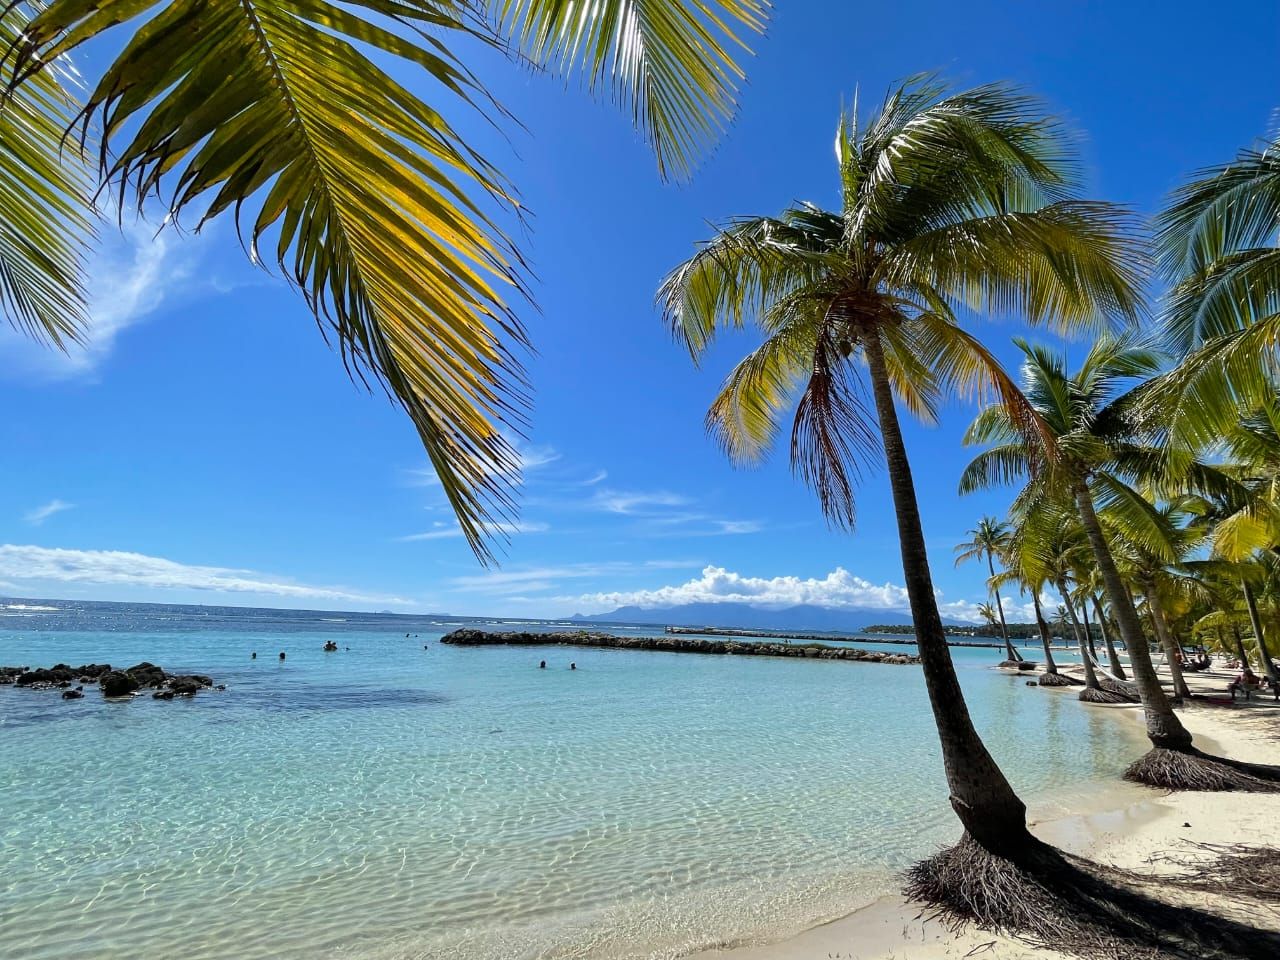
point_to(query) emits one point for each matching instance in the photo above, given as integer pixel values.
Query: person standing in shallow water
(573, 666)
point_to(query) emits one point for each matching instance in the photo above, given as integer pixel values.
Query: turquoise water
(388, 801)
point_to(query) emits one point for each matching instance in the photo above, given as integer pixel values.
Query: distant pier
(674, 644)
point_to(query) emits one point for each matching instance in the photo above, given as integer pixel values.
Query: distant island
(744, 616)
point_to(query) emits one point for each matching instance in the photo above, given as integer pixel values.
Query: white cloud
(40, 514)
(446, 531)
(595, 478)
(133, 274)
(837, 589)
(632, 502)
(121, 568)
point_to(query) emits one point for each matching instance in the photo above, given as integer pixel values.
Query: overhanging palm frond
(46, 220)
(670, 63)
(290, 113)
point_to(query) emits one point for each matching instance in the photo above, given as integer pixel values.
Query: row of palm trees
(955, 205)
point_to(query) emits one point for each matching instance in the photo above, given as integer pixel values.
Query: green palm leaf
(291, 114)
(671, 65)
(46, 220)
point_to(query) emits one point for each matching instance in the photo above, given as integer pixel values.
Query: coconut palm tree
(330, 132)
(46, 220)
(987, 541)
(948, 202)
(1089, 416)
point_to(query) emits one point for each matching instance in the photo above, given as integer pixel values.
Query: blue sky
(207, 447)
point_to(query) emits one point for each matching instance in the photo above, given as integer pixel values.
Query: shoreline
(1123, 825)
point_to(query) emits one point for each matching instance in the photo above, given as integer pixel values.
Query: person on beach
(1245, 683)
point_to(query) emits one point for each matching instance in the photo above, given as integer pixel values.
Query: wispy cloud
(534, 579)
(133, 274)
(42, 513)
(633, 502)
(598, 477)
(122, 568)
(446, 531)
(527, 459)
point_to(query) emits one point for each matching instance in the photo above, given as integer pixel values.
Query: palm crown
(949, 203)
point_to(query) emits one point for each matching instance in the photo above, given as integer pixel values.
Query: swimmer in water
(542, 664)
(281, 654)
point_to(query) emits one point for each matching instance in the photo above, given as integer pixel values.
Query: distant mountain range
(745, 616)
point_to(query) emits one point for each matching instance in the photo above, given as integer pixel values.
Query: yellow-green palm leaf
(292, 114)
(46, 222)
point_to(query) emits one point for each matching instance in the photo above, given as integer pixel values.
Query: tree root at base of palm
(1058, 680)
(1232, 870)
(1049, 899)
(1099, 695)
(1193, 770)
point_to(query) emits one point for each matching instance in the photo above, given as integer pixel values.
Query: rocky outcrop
(675, 644)
(112, 683)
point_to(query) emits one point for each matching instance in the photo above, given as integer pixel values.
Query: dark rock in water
(113, 683)
(118, 683)
(147, 674)
(43, 679)
(221, 686)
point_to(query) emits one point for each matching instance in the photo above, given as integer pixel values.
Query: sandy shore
(1123, 824)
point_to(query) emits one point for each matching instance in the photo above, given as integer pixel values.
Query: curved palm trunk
(1263, 654)
(1045, 639)
(1163, 726)
(1090, 675)
(1009, 652)
(1116, 666)
(1172, 649)
(981, 796)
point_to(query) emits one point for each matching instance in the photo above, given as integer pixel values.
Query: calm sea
(403, 799)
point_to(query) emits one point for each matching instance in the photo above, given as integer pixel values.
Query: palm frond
(673, 64)
(46, 219)
(1067, 265)
(833, 433)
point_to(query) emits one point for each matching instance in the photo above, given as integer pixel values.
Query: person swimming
(281, 654)
(254, 655)
(542, 664)
(330, 647)
(573, 666)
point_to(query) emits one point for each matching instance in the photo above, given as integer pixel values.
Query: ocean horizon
(401, 799)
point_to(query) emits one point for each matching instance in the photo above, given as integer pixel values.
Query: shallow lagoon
(393, 802)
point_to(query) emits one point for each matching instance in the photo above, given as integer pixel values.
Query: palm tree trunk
(1004, 629)
(1045, 639)
(981, 796)
(1263, 654)
(1163, 726)
(1240, 651)
(1172, 649)
(1116, 666)
(1090, 675)
(1088, 628)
